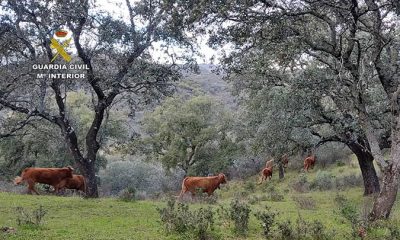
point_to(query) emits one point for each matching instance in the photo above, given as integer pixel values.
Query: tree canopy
(192, 134)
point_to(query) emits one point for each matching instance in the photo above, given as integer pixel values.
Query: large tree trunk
(281, 170)
(365, 160)
(89, 171)
(391, 180)
(384, 202)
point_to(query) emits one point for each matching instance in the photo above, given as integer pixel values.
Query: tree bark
(89, 171)
(365, 160)
(281, 170)
(391, 180)
(384, 202)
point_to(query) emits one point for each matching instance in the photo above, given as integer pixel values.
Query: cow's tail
(183, 188)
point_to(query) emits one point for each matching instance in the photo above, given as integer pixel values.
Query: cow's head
(70, 170)
(222, 178)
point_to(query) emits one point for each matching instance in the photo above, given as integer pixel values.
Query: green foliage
(28, 149)
(179, 219)
(303, 202)
(323, 181)
(301, 184)
(285, 230)
(239, 213)
(192, 134)
(273, 194)
(24, 217)
(128, 194)
(267, 219)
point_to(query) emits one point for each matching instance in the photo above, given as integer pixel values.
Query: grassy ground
(110, 218)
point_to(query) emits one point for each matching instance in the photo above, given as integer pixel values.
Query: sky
(118, 8)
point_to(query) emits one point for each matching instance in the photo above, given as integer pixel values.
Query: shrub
(318, 231)
(128, 194)
(273, 194)
(301, 228)
(304, 202)
(190, 224)
(286, 230)
(301, 184)
(250, 186)
(394, 232)
(34, 219)
(323, 181)
(349, 181)
(348, 210)
(257, 198)
(267, 219)
(239, 214)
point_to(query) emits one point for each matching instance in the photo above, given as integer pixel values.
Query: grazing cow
(50, 176)
(77, 182)
(265, 174)
(309, 162)
(207, 184)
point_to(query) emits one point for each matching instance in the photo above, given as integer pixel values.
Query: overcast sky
(118, 8)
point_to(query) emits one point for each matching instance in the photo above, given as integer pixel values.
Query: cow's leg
(31, 187)
(56, 189)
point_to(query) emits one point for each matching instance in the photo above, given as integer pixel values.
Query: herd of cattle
(61, 178)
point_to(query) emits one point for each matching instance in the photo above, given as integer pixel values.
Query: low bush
(128, 194)
(239, 213)
(349, 211)
(304, 202)
(196, 224)
(348, 181)
(301, 184)
(267, 219)
(323, 181)
(274, 194)
(250, 186)
(34, 218)
(285, 230)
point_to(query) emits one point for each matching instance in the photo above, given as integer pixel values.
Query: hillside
(111, 218)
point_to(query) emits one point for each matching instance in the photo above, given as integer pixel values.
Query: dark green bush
(301, 184)
(267, 219)
(274, 194)
(285, 230)
(239, 213)
(304, 202)
(179, 219)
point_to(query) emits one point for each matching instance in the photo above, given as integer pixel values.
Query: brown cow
(309, 162)
(50, 176)
(207, 184)
(265, 174)
(77, 182)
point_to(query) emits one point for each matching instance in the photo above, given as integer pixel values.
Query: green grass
(110, 218)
